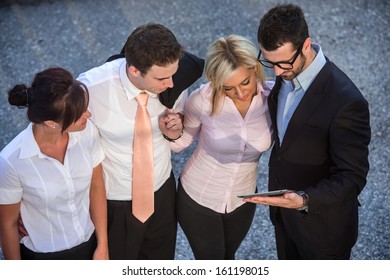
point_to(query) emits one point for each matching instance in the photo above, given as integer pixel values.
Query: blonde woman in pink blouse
(230, 116)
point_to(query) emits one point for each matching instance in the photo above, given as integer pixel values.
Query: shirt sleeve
(11, 189)
(97, 150)
(192, 121)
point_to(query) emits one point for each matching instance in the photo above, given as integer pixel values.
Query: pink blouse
(225, 161)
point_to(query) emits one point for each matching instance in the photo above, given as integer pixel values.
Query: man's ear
(306, 46)
(133, 71)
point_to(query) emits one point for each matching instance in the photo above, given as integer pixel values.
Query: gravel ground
(79, 35)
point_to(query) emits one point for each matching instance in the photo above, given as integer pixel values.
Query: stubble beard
(292, 74)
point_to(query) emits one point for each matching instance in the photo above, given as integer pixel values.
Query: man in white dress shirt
(152, 56)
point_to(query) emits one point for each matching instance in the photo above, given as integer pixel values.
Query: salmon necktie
(143, 194)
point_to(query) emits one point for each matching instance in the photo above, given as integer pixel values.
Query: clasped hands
(171, 124)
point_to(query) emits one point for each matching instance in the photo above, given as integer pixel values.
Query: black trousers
(84, 251)
(129, 239)
(212, 235)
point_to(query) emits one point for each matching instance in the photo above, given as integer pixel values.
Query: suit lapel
(309, 103)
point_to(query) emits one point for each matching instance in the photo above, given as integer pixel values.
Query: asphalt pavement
(79, 35)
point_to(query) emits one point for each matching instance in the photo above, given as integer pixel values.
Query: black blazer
(324, 153)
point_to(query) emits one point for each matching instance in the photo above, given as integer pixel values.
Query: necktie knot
(142, 99)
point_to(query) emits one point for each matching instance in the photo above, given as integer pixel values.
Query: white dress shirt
(54, 196)
(113, 107)
(225, 161)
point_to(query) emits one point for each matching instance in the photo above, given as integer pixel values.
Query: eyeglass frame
(291, 62)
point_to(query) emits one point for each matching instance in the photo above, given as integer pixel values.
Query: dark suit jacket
(324, 153)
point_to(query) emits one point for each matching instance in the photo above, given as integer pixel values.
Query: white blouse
(225, 161)
(54, 197)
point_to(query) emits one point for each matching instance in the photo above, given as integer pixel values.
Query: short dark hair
(54, 95)
(152, 44)
(285, 23)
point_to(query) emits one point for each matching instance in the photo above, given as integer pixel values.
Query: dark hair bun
(18, 96)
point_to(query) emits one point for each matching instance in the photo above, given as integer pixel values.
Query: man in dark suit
(321, 132)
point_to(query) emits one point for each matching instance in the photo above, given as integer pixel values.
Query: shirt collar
(131, 90)
(30, 148)
(305, 78)
(291, 85)
(265, 88)
(74, 137)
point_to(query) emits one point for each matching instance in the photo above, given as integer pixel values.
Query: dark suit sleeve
(190, 69)
(349, 137)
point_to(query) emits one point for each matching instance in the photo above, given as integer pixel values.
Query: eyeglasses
(285, 65)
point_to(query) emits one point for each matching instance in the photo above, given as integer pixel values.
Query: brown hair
(152, 44)
(53, 95)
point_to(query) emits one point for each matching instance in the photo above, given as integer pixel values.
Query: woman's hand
(171, 125)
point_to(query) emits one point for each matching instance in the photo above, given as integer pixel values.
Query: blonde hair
(223, 57)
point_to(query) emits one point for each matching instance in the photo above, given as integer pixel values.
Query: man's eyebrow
(165, 78)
